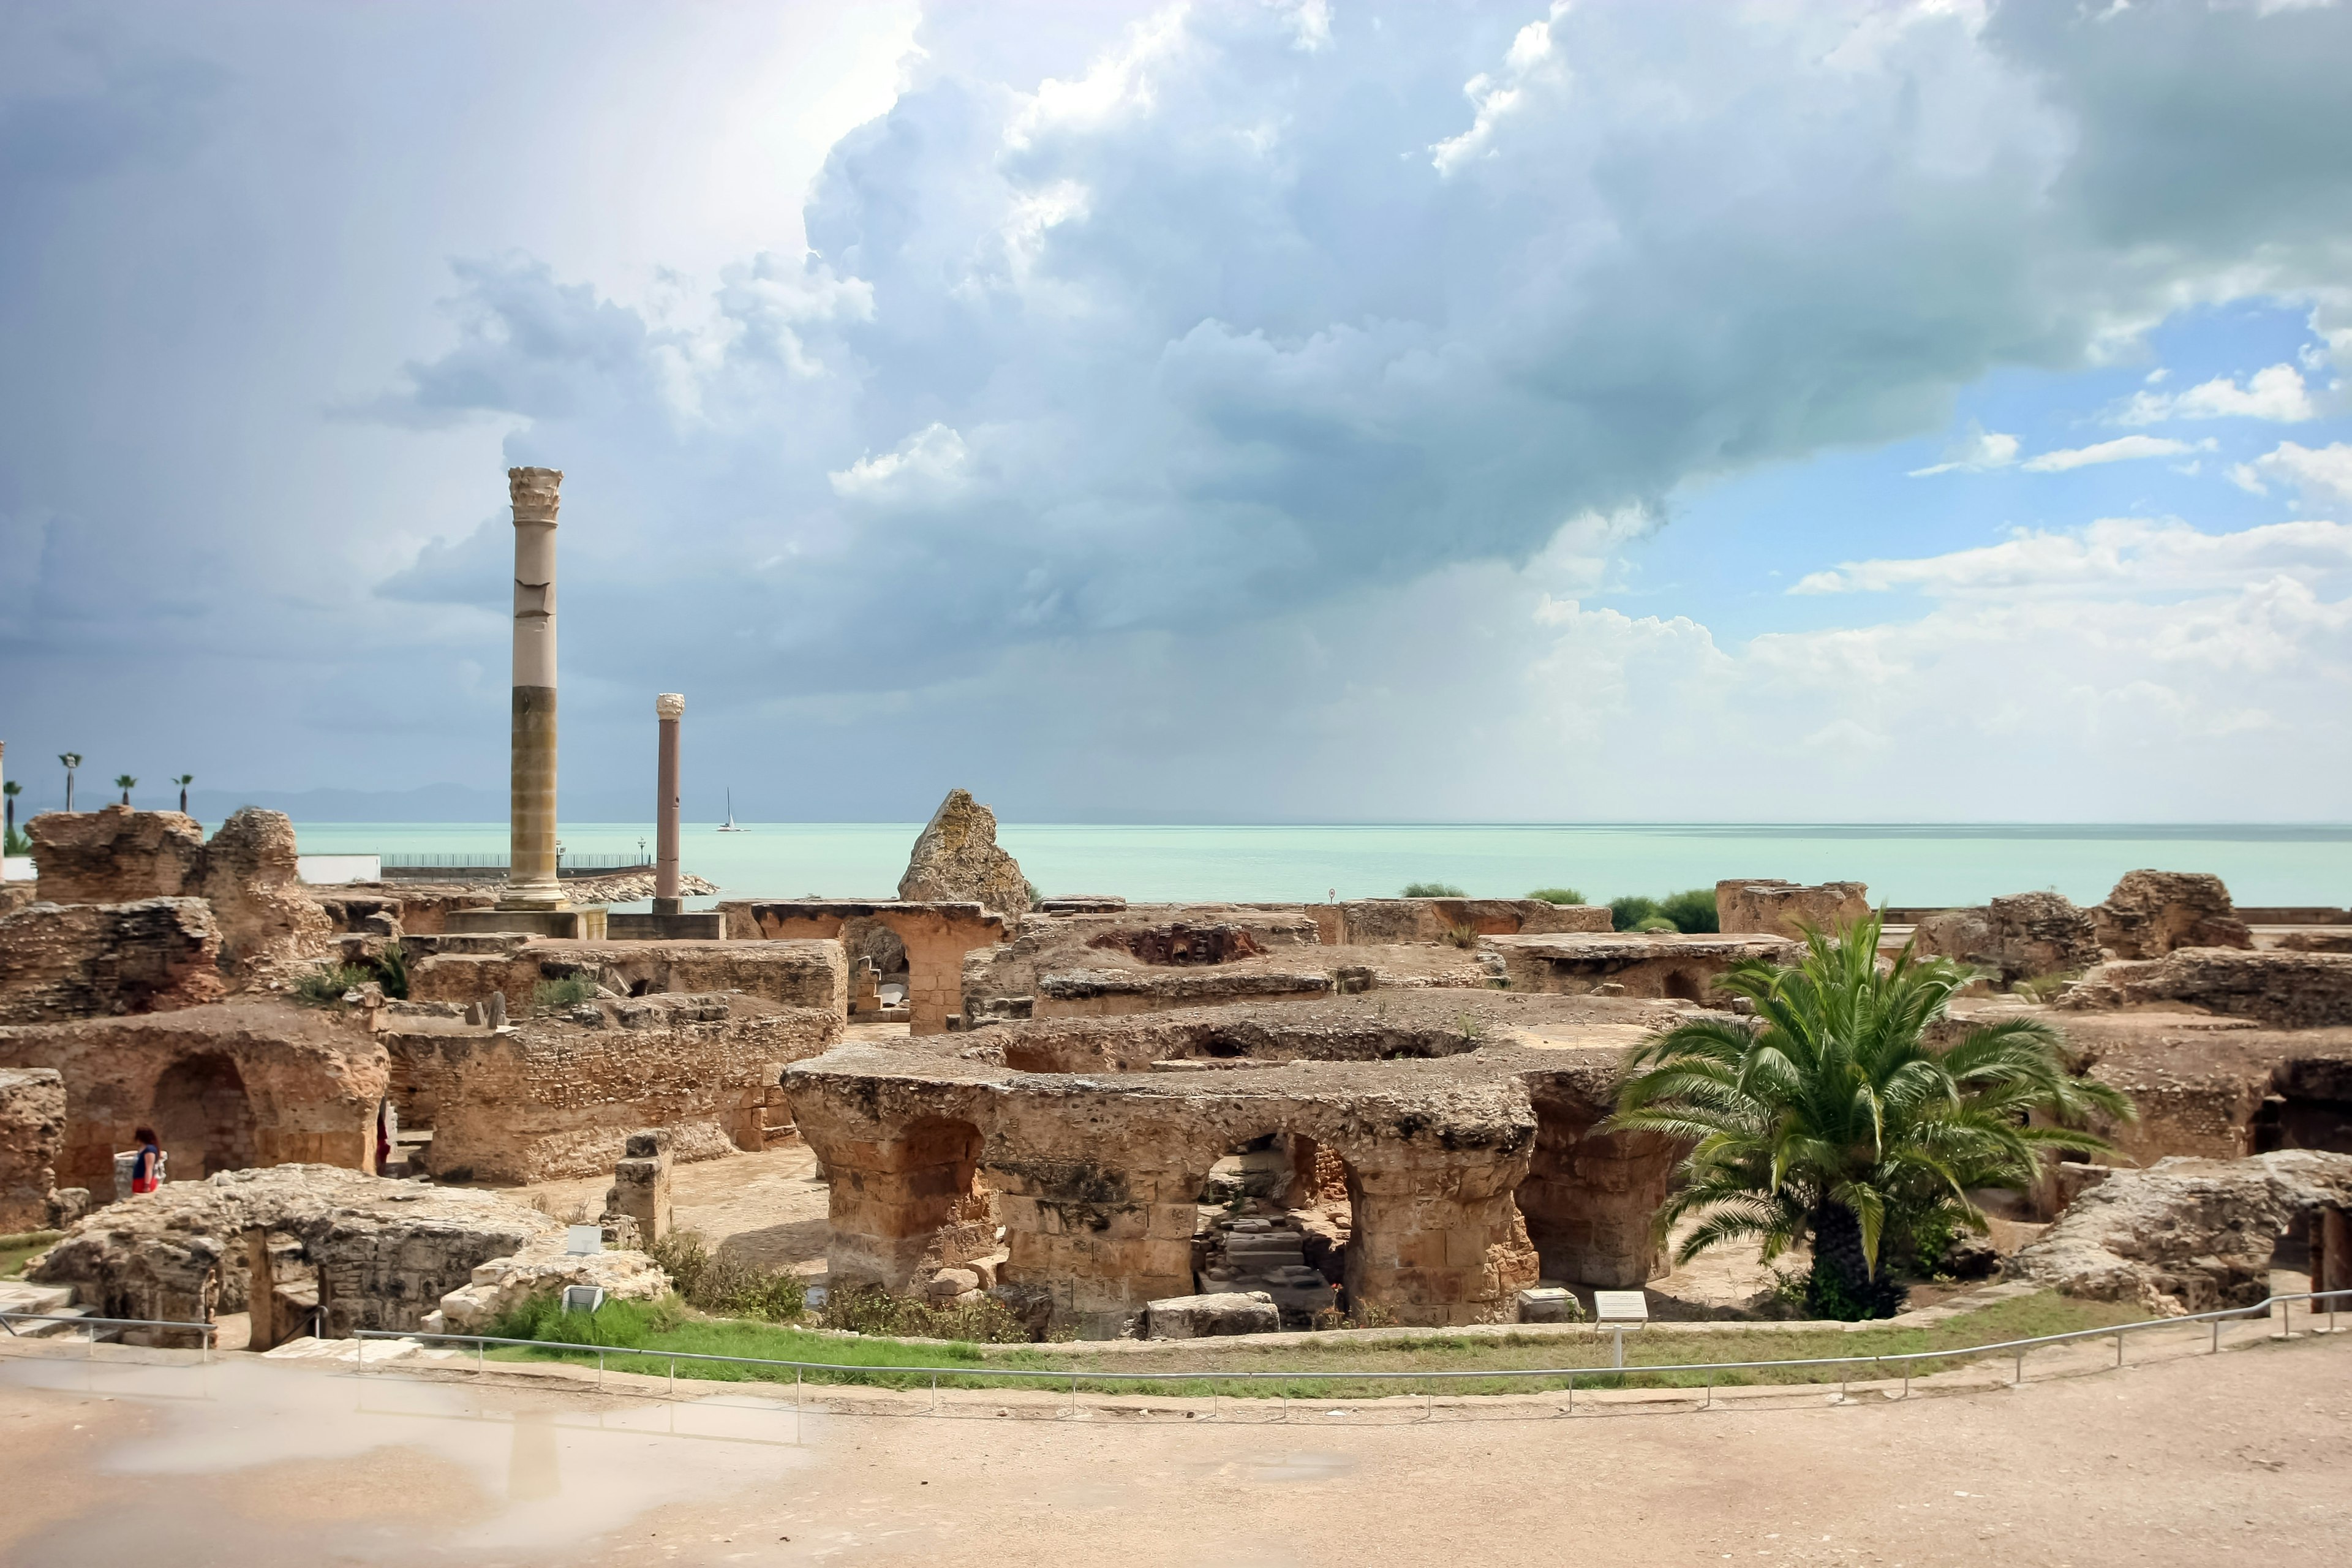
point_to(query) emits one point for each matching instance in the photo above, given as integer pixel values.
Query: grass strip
(641, 1334)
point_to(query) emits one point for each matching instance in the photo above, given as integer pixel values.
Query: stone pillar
(670, 707)
(531, 876)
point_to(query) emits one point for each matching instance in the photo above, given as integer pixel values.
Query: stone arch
(1277, 1210)
(202, 1113)
(1684, 986)
(1587, 1198)
(909, 1201)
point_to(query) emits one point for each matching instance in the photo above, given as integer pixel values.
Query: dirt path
(2196, 1460)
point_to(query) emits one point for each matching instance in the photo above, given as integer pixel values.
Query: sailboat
(730, 825)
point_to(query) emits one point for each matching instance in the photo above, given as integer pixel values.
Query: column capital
(669, 705)
(534, 494)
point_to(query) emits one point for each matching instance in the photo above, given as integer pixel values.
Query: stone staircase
(1268, 1255)
(53, 1302)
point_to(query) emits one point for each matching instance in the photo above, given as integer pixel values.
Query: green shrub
(1692, 910)
(562, 996)
(1656, 922)
(728, 1284)
(1628, 912)
(392, 971)
(325, 987)
(1035, 897)
(1432, 890)
(871, 1310)
(1557, 895)
(1462, 936)
(2046, 987)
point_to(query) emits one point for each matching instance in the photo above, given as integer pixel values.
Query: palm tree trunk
(1841, 1285)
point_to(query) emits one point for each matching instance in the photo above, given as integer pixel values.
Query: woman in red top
(147, 1172)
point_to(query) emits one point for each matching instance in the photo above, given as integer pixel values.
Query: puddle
(300, 1467)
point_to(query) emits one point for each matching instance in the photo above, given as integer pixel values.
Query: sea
(1906, 864)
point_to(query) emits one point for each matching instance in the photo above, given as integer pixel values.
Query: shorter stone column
(669, 707)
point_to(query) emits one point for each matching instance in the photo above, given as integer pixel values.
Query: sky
(1247, 410)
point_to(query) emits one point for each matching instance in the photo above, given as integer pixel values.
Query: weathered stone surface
(2288, 990)
(2187, 1235)
(251, 879)
(248, 1081)
(552, 1096)
(31, 1133)
(1094, 1148)
(2152, 912)
(956, 860)
(1211, 1316)
(1369, 923)
(1770, 905)
(1645, 963)
(936, 939)
(640, 1189)
(999, 981)
(81, 961)
(385, 1253)
(116, 855)
(540, 1268)
(2023, 936)
(468, 969)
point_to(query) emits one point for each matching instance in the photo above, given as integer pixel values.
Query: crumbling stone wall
(309, 1081)
(81, 961)
(2285, 989)
(1785, 908)
(2022, 936)
(551, 1097)
(937, 938)
(1372, 922)
(117, 856)
(466, 969)
(32, 1134)
(1634, 963)
(1589, 1198)
(2150, 913)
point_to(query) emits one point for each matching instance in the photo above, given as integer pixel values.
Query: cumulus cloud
(2276, 394)
(1977, 451)
(2125, 554)
(1138, 352)
(2121, 449)
(2323, 472)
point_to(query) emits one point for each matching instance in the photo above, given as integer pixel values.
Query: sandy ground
(769, 1207)
(2192, 1460)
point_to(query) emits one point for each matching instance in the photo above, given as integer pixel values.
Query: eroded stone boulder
(2150, 913)
(32, 1132)
(251, 879)
(2186, 1235)
(2022, 936)
(84, 961)
(956, 860)
(1211, 1316)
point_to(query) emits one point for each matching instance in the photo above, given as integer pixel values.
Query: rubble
(2150, 913)
(2023, 936)
(2187, 1234)
(1211, 1316)
(383, 1254)
(2285, 989)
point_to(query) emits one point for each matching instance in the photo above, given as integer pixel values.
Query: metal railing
(1880, 1360)
(490, 861)
(9, 1320)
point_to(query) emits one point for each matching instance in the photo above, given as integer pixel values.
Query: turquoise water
(1904, 864)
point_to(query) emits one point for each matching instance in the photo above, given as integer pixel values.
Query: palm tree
(184, 781)
(126, 784)
(9, 843)
(1830, 1114)
(72, 759)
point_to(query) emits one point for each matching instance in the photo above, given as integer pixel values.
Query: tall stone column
(669, 707)
(531, 876)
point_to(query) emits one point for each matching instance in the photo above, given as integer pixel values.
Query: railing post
(2019, 1382)
(2119, 1347)
(2217, 1336)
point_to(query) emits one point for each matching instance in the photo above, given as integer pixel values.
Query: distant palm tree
(126, 784)
(12, 789)
(1834, 1115)
(72, 759)
(184, 781)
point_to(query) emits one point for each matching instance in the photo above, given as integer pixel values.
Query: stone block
(1211, 1316)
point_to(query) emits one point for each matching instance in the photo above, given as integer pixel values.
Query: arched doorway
(203, 1117)
(1274, 1213)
